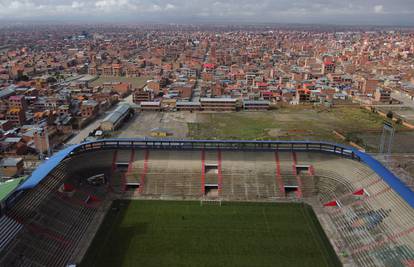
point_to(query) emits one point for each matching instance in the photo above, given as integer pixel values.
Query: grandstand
(51, 217)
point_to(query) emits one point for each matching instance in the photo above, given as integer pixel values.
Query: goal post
(211, 202)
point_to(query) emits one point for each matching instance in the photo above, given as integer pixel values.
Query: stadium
(130, 202)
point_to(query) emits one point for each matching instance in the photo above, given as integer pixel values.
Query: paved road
(82, 134)
(406, 100)
(390, 106)
(197, 91)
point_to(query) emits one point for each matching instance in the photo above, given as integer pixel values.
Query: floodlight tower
(387, 138)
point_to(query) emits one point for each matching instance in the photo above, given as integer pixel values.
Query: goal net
(211, 202)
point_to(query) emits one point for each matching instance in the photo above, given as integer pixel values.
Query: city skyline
(366, 12)
(206, 133)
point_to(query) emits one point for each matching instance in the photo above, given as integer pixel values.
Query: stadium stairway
(249, 176)
(308, 186)
(278, 176)
(167, 175)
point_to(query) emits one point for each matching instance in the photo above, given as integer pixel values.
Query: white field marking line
(315, 237)
(165, 187)
(266, 221)
(232, 185)
(257, 186)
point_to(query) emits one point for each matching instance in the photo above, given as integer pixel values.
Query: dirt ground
(405, 112)
(142, 124)
(403, 141)
(298, 125)
(283, 124)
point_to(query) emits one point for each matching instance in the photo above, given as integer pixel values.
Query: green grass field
(177, 233)
(288, 123)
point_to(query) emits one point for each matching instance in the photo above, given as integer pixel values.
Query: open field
(291, 123)
(142, 124)
(407, 113)
(173, 233)
(403, 141)
(285, 124)
(136, 82)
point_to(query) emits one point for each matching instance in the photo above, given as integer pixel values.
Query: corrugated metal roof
(117, 114)
(12, 139)
(185, 103)
(150, 103)
(10, 162)
(256, 102)
(223, 99)
(6, 92)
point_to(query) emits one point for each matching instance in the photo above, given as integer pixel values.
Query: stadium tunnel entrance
(300, 169)
(132, 186)
(122, 165)
(211, 190)
(291, 190)
(211, 168)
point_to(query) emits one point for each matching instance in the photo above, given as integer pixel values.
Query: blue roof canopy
(45, 168)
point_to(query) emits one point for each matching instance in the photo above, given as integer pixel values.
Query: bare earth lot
(405, 112)
(288, 124)
(293, 123)
(144, 122)
(403, 141)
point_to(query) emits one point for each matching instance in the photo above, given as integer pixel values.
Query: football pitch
(183, 233)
